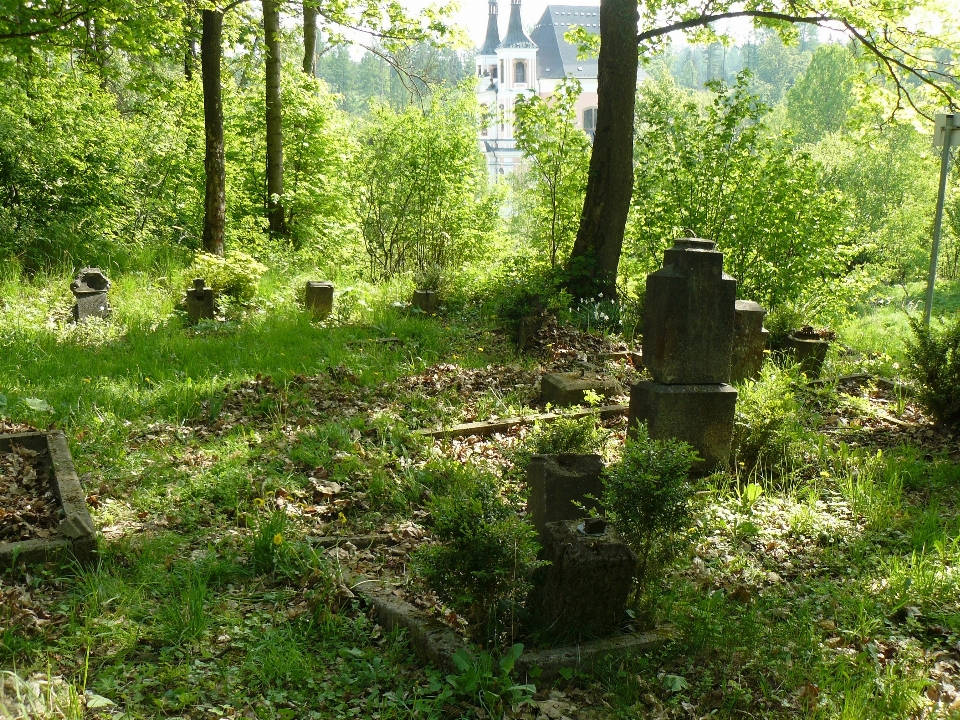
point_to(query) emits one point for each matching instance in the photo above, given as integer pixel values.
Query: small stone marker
(527, 331)
(556, 482)
(688, 322)
(425, 300)
(566, 389)
(90, 291)
(584, 589)
(749, 341)
(809, 349)
(200, 301)
(319, 298)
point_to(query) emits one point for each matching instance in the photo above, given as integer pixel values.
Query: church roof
(516, 37)
(556, 58)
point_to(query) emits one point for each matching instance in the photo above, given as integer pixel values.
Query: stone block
(90, 291)
(566, 389)
(319, 298)
(688, 316)
(527, 330)
(425, 300)
(810, 352)
(749, 341)
(76, 536)
(556, 482)
(584, 589)
(201, 302)
(701, 415)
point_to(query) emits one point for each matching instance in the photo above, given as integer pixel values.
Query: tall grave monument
(688, 324)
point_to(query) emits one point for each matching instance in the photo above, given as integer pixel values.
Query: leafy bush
(488, 683)
(646, 496)
(522, 287)
(934, 364)
(574, 436)
(237, 275)
(486, 552)
(766, 423)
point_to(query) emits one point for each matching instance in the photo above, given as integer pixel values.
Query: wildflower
(278, 539)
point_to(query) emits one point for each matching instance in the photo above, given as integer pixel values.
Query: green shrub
(237, 275)
(933, 356)
(646, 496)
(482, 563)
(766, 421)
(573, 436)
(520, 287)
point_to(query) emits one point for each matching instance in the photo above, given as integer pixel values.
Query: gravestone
(566, 389)
(688, 323)
(749, 341)
(200, 301)
(809, 349)
(425, 300)
(527, 330)
(557, 482)
(584, 589)
(319, 298)
(90, 291)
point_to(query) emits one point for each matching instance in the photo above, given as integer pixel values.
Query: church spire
(516, 37)
(492, 40)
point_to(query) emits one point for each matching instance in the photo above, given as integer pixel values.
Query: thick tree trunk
(596, 251)
(271, 31)
(215, 204)
(310, 38)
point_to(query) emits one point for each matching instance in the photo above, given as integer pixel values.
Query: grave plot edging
(436, 643)
(78, 537)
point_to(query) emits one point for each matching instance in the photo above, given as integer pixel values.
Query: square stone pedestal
(584, 589)
(318, 298)
(201, 302)
(556, 482)
(749, 341)
(566, 389)
(701, 415)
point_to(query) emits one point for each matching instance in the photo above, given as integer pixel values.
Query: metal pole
(938, 218)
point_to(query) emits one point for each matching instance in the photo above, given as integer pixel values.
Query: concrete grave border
(435, 643)
(77, 534)
(489, 427)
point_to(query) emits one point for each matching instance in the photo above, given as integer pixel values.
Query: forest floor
(215, 457)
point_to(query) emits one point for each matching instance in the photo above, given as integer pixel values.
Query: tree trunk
(215, 204)
(271, 32)
(310, 38)
(596, 251)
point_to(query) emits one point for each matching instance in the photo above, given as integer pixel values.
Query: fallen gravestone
(688, 322)
(201, 302)
(319, 298)
(90, 292)
(566, 389)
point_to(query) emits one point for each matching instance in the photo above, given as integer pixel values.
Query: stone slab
(435, 643)
(489, 427)
(809, 353)
(557, 482)
(76, 536)
(91, 305)
(701, 415)
(566, 389)
(583, 592)
(749, 341)
(318, 297)
(688, 316)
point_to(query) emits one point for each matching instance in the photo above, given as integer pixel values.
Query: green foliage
(767, 422)
(647, 497)
(573, 436)
(236, 275)
(522, 286)
(933, 356)
(713, 172)
(819, 101)
(422, 186)
(558, 154)
(487, 682)
(482, 563)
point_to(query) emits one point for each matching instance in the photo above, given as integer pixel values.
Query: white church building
(519, 65)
